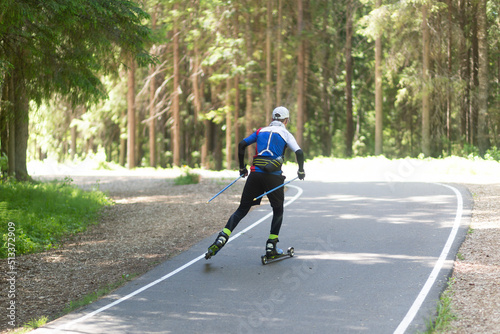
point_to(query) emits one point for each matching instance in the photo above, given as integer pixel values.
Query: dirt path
(153, 220)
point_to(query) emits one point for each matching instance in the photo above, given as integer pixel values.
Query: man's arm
(241, 153)
(299, 154)
(241, 157)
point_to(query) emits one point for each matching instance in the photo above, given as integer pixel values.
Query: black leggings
(257, 184)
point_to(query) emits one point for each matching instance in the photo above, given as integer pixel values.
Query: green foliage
(492, 154)
(4, 163)
(36, 323)
(43, 213)
(69, 43)
(187, 178)
(73, 54)
(444, 312)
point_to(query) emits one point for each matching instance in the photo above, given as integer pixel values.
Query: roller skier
(265, 174)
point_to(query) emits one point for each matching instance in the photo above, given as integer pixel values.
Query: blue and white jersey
(272, 142)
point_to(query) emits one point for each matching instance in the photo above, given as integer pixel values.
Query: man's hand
(301, 174)
(243, 172)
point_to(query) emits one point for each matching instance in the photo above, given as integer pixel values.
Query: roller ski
(219, 242)
(274, 253)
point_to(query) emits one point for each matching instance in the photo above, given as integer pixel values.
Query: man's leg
(253, 188)
(276, 198)
(249, 193)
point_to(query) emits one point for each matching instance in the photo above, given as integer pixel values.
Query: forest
(170, 83)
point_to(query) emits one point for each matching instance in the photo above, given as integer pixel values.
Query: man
(271, 143)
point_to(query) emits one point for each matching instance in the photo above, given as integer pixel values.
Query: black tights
(257, 184)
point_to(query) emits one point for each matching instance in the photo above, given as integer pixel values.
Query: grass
(36, 216)
(36, 323)
(444, 313)
(187, 178)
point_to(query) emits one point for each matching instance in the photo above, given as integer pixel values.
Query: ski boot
(271, 249)
(273, 253)
(219, 242)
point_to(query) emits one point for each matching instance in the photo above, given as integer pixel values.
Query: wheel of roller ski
(289, 253)
(208, 255)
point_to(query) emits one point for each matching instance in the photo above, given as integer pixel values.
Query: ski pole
(229, 185)
(270, 191)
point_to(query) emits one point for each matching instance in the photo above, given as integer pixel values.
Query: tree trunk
(326, 134)
(300, 75)
(152, 122)
(379, 115)
(464, 72)
(237, 138)
(197, 104)
(4, 119)
(426, 142)
(248, 110)
(473, 112)
(21, 123)
(448, 85)
(131, 121)
(123, 140)
(482, 96)
(11, 155)
(218, 146)
(73, 141)
(229, 125)
(11, 126)
(152, 91)
(176, 127)
(349, 134)
(278, 54)
(268, 102)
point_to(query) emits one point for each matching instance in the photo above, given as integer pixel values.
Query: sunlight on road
(371, 169)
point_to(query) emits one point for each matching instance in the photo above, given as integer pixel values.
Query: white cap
(280, 113)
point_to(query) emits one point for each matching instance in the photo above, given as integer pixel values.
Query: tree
(378, 92)
(131, 119)
(482, 100)
(426, 132)
(328, 62)
(176, 133)
(52, 48)
(278, 53)
(300, 74)
(268, 100)
(249, 85)
(349, 132)
(152, 95)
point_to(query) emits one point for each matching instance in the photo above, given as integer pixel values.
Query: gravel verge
(476, 276)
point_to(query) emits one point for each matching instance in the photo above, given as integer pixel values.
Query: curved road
(370, 257)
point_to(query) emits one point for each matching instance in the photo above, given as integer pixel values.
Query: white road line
(172, 273)
(437, 268)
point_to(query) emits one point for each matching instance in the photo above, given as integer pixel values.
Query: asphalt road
(369, 258)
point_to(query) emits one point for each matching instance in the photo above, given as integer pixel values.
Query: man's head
(281, 114)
